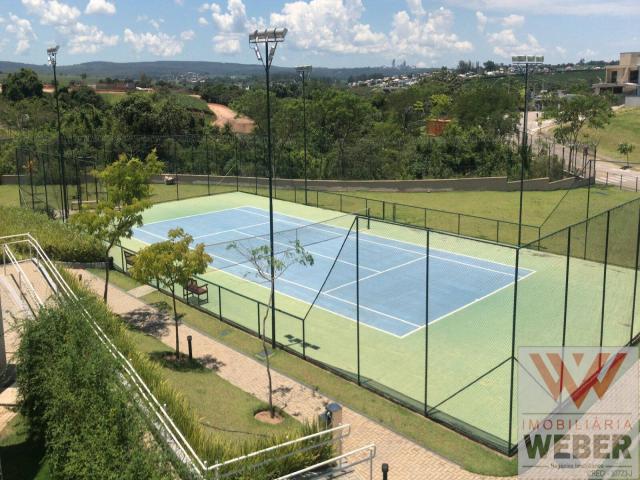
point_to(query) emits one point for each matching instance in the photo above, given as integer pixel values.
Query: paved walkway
(407, 460)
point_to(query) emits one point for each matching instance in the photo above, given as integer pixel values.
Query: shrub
(60, 241)
(72, 396)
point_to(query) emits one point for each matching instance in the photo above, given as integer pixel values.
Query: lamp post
(270, 38)
(525, 60)
(304, 72)
(52, 57)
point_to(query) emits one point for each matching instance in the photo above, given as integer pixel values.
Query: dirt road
(224, 115)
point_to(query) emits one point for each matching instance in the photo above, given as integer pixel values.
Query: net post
(426, 327)
(604, 278)
(358, 296)
(635, 277)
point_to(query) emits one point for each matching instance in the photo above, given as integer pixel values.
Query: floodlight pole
(524, 147)
(275, 36)
(52, 54)
(304, 71)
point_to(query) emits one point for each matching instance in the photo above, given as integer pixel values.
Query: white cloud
(513, 21)
(426, 35)
(415, 7)
(588, 54)
(561, 51)
(155, 23)
(481, 20)
(330, 26)
(159, 44)
(203, 21)
(52, 12)
(88, 38)
(100, 6)
(555, 7)
(21, 29)
(505, 43)
(232, 25)
(225, 45)
(187, 35)
(179, 2)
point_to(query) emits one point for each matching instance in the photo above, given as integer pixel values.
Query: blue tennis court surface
(392, 272)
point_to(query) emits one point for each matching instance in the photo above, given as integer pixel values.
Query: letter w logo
(564, 379)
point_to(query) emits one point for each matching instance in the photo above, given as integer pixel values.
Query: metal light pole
(304, 72)
(52, 54)
(525, 60)
(270, 38)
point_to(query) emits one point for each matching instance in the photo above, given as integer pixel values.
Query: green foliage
(21, 85)
(222, 93)
(74, 400)
(108, 224)
(626, 149)
(573, 113)
(495, 110)
(59, 240)
(128, 179)
(172, 263)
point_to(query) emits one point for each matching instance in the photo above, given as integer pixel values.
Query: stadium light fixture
(52, 59)
(270, 39)
(304, 71)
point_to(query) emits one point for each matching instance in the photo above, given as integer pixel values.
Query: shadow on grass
(22, 457)
(183, 363)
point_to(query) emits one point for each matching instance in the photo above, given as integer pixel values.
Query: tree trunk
(272, 411)
(175, 319)
(106, 278)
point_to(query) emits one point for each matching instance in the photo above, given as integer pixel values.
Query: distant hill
(172, 69)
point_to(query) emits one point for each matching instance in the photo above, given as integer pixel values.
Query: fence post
(458, 224)
(206, 154)
(425, 217)
(513, 344)
(635, 278)
(219, 302)
(426, 327)
(258, 317)
(384, 210)
(607, 181)
(175, 164)
(44, 182)
(620, 181)
(341, 202)
(358, 295)
(636, 184)
(604, 277)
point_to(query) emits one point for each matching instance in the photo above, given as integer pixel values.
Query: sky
(328, 33)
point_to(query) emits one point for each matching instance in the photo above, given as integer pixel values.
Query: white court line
(472, 265)
(376, 274)
(371, 310)
(161, 237)
(337, 314)
(195, 215)
(312, 252)
(231, 230)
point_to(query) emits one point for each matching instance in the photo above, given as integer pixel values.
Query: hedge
(59, 240)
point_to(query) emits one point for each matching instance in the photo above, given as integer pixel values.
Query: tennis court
(392, 273)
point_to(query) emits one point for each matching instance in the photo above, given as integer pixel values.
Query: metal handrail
(370, 449)
(23, 277)
(170, 428)
(342, 430)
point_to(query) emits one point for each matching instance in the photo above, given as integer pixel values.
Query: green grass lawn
(226, 411)
(9, 196)
(624, 127)
(21, 457)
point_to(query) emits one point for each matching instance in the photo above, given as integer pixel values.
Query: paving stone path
(407, 460)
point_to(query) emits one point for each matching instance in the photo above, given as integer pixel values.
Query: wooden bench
(129, 258)
(193, 289)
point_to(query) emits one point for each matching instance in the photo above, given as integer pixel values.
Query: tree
(21, 85)
(108, 224)
(128, 179)
(440, 105)
(626, 149)
(172, 263)
(490, 66)
(489, 106)
(260, 260)
(573, 113)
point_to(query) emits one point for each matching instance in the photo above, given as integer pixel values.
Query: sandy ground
(224, 115)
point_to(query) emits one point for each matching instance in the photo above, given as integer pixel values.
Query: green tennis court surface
(460, 365)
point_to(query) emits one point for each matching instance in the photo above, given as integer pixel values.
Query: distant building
(623, 77)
